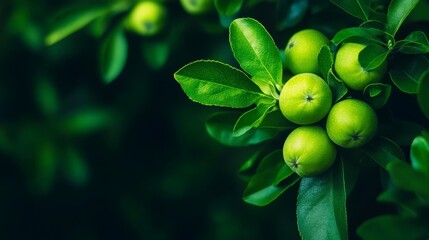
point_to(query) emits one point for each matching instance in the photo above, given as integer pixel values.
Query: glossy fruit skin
(351, 123)
(196, 7)
(305, 99)
(308, 151)
(147, 18)
(302, 50)
(349, 70)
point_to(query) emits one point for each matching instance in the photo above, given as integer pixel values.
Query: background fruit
(351, 123)
(302, 50)
(305, 99)
(308, 151)
(147, 18)
(197, 6)
(351, 72)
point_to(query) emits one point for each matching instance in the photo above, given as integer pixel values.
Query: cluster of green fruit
(148, 17)
(306, 99)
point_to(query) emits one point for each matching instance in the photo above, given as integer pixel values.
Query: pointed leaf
(262, 188)
(277, 120)
(71, 21)
(397, 12)
(321, 207)
(252, 118)
(325, 60)
(415, 43)
(113, 55)
(255, 51)
(423, 93)
(360, 34)
(338, 88)
(220, 127)
(377, 94)
(407, 72)
(373, 56)
(356, 8)
(218, 84)
(383, 151)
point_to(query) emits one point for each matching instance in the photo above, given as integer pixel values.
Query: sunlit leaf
(255, 51)
(251, 119)
(358, 34)
(420, 154)
(373, 56)
(218, 84)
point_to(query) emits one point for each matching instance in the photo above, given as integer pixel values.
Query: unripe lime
(305, 99)
(351, 123)
(308, 151)
(302, 51)
(348, 68)
(147, 18)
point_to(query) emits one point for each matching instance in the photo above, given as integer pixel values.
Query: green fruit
(348, 68)
(147, 18)
(302, 50)
(305, 99)
(351, 123)
(197, 6)
(308, 151)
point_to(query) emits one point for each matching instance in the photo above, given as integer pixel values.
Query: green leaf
(325, 60)
(275, 119)
(220, 127)
(255, 51)
(338, 88)
(321, 207)
(248, 168)
(113, 55)
(415, 43)
(383, 151)
(262, 188)
(401, 132)
(356, 8)
(397, 12)
(72, 20)
(422, 93)
(373, 56)
(46, 165)
(407, 178)
(407, 71)
(228, 7)
(407, 201)
(393, 227)
(251, 119)
(420, 154)
(290, 13)
(377, 94)
(358, 34)
(217, 84)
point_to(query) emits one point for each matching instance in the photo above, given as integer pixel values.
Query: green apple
(351, 123)
(197, 6)
(147, 18)
(305, 99)
(302, 50)
(308, 151)
(348, 68)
